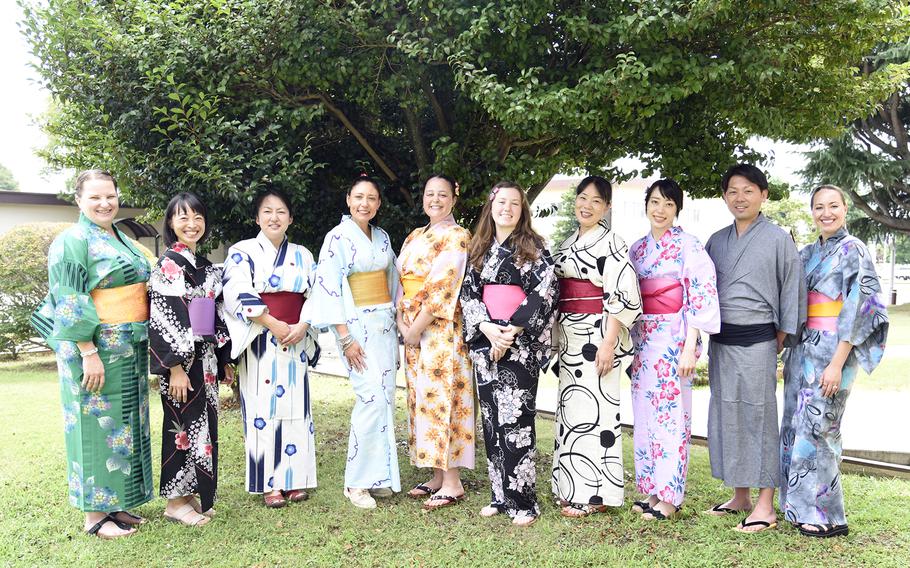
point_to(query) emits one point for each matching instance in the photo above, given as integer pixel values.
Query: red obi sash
(502, 300)
(284, 306)
(579, 296)
(661, 295)
(823, 312)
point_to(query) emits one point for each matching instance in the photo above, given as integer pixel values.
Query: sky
(22, 100)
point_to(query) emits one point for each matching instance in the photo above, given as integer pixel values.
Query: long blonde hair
(526, 243)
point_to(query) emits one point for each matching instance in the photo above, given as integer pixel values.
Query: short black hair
(275, 192)
(180, 203)
(365, 179)
(669, 189)
(603, 187)
(446, 179)
(747, 171)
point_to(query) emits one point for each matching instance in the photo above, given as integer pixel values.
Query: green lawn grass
(899, 326)
(39, 528)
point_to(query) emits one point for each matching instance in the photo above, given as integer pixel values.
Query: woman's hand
(500, 337)
(686, 363)
(92, 373)
(603, 360)
(279, 329)
(296, 333)
(402, 327)
(179, 384)
(830, 380)
(228, 375)
(411, 337)
(356, 357)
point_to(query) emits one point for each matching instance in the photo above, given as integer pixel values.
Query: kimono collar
(347, 219)
(185, 251)
(760, 220)
(89, 224)
(669, 233)
(267, 244)
(444, 223)
(834, 239)
(596, 232)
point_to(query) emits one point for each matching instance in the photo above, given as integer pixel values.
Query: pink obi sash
(284, 306)
(202, 316)
(823, 312)
(577, 296)
(661, 295)
(502, 300)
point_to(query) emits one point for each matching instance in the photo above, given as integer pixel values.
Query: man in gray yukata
(762, 299)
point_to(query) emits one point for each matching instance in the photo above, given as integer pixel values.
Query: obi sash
(202, 316)
(412, 285)
(123, 304)
(284, 306)
(370, 288)
(661, 295)
(502, 300)
(744, 335)
(823, 312)
(578, 296)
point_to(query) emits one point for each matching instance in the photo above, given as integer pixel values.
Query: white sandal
(360, 498)
(183, 513)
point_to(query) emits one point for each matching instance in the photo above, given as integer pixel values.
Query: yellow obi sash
(825, 309)
(822, 312)
(412, 285)
(370, 288)
(123, 304)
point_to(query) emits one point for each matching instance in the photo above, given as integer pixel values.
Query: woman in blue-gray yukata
(845, 329)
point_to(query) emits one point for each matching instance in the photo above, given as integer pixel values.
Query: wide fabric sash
(123, 304)
(661, 295)
(370, 288)
(412, 285)
(578, 296)
(823, 312)
(284, 306)
(202, 316)
(502, 300)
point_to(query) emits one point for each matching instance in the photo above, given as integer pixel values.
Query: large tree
(222, 96)
(7, 180)
(871, 160)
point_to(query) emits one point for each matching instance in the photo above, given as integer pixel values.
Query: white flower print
(508, 404)
(520, 438)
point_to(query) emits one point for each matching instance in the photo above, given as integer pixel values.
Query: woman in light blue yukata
(846, 328)
(356, 281)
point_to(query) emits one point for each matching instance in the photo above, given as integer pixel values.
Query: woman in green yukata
(95, 317)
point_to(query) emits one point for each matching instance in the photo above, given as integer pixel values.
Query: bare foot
(108, 529)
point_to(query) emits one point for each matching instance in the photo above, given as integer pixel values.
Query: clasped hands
(501, 337)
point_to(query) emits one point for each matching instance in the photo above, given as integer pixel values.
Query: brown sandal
(444, 501)
(576, 511)
(296, 495)
(274, 501)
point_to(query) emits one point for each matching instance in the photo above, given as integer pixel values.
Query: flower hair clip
(493, 193)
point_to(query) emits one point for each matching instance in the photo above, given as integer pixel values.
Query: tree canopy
(7, 180)
(871, 160)
(221, 97)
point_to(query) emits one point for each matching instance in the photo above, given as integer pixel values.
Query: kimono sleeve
(69, 302)
(863, 319)
(791, 280)
(222, 335)
(239, 294)
(326, 301)
(472, 307)
(170, 334)
(622, 298)
(446, 274)
(542, 290)
(702, 309)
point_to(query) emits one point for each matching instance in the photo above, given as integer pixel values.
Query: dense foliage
(223, 96)
(7, 180)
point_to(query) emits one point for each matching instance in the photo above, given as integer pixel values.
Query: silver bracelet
(346, 342)
(88, 353)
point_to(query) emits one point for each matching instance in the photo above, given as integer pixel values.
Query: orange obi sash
(823, 312)
(578, 296)
(412, 285)
(284, 306)
(123, 304)
(370, 288)
(661, 295)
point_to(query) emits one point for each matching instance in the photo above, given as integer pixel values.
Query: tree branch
(361, 139)
(535, 189)
(902, 225)
(897, 127)
(441, 121)
(420, 149)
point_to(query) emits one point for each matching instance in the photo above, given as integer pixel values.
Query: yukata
(274, 379)
(679, 287)
(108, 443)
(438, 371)
(843, 290)
(347, 252)
(508, 388)
(189, 444)
(761, 291)
(587, 458)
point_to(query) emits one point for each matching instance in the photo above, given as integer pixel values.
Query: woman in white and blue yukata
(266, 282)
(845, 329)
(356, 281)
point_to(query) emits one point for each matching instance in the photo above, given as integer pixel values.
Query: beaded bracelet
(88, 353)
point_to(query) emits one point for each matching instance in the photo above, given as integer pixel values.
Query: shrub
(23, 280)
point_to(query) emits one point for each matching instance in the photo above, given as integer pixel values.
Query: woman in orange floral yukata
(440, 388)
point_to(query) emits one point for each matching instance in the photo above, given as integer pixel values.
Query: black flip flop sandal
(657, 515)
(640, 507)
(824, 531)
(93, 531)
(424, 491)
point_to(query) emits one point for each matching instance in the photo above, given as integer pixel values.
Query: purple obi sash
(502, 300)
(202, 316)
(661, 295)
